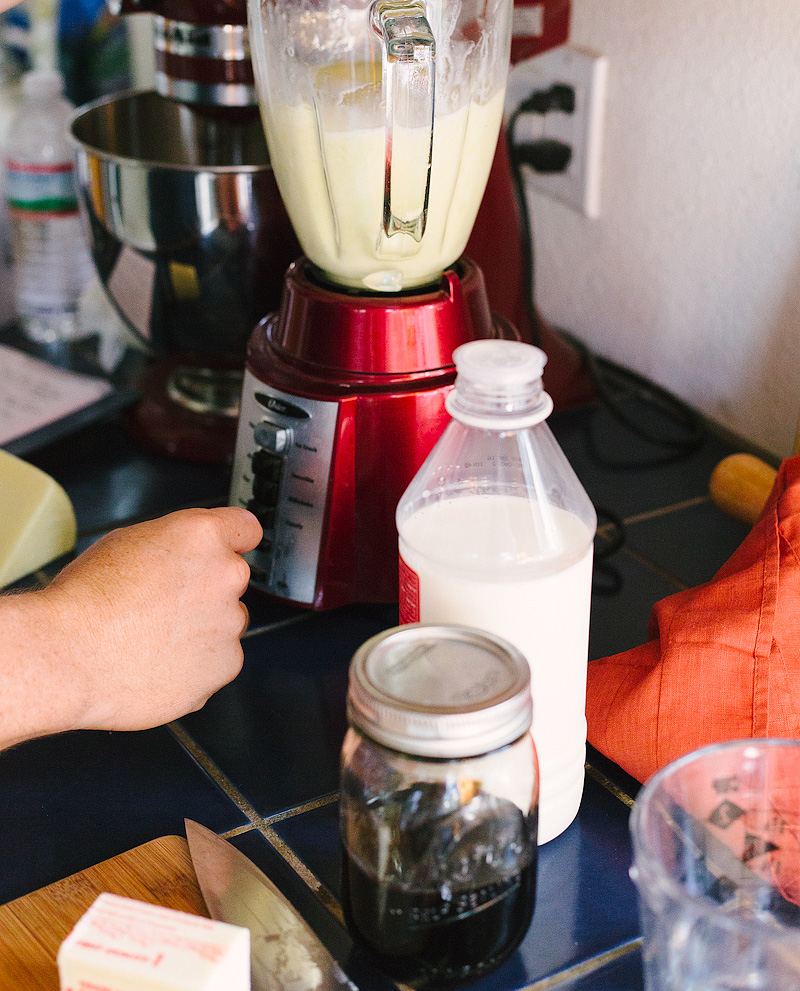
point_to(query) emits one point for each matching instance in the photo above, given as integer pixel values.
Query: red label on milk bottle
(409, 594)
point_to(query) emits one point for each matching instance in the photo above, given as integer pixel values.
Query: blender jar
(438, 802)
(382, 119)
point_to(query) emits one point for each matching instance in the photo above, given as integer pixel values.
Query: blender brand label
(276, 405)
(409, 594)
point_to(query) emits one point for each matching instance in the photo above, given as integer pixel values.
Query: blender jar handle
(409, 73)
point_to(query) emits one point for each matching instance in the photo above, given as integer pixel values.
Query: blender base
(343, 399)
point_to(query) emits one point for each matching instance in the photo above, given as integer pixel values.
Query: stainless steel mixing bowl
(186, 226)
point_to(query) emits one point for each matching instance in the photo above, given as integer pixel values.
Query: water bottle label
(41, 189)
(409, 594)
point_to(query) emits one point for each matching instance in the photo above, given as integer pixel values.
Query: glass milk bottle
(496, 532)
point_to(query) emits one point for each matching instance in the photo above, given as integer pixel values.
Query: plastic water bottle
(51, 261)
(496, 532)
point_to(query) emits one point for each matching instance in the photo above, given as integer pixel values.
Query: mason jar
(439, 800)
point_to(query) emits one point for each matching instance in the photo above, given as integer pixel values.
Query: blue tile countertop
(259, 763)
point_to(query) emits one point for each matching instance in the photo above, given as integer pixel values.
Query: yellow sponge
(37, 521)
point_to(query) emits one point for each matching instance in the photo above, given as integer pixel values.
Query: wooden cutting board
(33, 927)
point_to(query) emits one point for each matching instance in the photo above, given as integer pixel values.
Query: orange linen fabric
(722, 661)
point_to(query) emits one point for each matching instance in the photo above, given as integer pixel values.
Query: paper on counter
(34, 394)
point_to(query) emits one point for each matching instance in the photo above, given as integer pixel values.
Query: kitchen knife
(285, 954)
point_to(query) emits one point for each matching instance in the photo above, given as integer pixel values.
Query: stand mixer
(382, 120)
(202, 51)
(186, 226)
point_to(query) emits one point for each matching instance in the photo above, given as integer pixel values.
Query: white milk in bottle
(496, 532)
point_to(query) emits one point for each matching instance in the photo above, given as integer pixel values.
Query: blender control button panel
(281, 472)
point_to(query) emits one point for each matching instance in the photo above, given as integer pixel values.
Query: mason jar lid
(439, 691)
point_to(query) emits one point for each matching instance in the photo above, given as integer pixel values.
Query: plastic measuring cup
(716, 837)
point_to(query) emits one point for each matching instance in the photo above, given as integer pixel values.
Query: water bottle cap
(43, 82)
(500, 364)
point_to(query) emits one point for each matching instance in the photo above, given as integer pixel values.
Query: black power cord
(612, 382)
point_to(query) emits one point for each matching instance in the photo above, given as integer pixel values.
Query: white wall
(691, 274)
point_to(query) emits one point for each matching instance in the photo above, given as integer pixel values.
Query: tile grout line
(647, 563)
(322, 893)
(609, 785)
(320, 890)
(277, 625)
(259, 823)
(589, 966)
(315, 803)
(231, 791)
(652, 514)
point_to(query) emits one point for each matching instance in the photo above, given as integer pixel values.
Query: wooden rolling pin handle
(741, 484)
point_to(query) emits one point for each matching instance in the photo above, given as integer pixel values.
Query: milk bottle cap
(499, 385)
(441, 691)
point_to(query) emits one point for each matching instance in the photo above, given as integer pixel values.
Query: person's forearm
(141, 628)
(43, 689)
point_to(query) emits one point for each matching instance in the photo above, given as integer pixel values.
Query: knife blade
(285, 953)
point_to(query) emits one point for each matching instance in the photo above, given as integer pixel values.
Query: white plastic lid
(440, 691)
(502, 365)
(499, 385)
(43, 83)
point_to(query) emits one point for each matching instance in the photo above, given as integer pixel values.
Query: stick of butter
(120, 944)
(37, 521)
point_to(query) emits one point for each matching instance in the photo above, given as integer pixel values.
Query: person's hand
(150, 616)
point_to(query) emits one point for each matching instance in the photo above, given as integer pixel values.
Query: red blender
(382, 120)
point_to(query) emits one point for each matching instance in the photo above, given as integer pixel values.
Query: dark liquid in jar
(430, 936)
(420, 940)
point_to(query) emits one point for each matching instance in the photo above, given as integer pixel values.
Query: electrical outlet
(581, 129)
